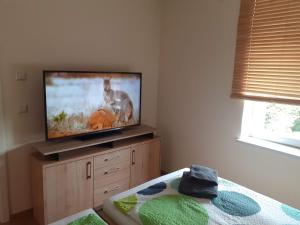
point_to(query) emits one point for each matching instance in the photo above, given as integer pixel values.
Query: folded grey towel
(204, 175)
(190, 186)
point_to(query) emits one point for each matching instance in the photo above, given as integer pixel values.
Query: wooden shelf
(58, 147)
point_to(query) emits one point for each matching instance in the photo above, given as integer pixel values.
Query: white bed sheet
(119, 217)
(71, 218)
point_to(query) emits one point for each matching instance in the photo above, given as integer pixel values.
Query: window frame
(249, 128)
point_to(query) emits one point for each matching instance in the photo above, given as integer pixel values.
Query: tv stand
(55, 148)
(71, 176)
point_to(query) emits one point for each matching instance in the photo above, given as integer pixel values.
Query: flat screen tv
(81, 103)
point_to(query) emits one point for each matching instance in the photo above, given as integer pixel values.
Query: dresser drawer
(112, 158)
(110, 174)
(102, 193)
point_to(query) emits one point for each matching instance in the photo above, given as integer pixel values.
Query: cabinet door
(145, 163)
(68, 189)
(154, 160)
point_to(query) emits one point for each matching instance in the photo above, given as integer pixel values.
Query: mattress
(71, 218)
(159, 202)
(120, 218)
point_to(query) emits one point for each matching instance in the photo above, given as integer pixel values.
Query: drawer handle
(112, 170)
(133, 157)
(88, 170)
(112, 158)
(113, 189)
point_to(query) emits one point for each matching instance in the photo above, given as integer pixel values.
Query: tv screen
(80, 103)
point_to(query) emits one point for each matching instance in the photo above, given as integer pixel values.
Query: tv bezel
(92, 132)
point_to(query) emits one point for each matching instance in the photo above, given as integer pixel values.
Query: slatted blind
(267, 60)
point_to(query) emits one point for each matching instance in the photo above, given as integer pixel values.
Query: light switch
(23, 109)
(21, 76)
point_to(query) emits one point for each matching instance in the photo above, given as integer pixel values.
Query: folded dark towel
(204, 175)
(191, 186)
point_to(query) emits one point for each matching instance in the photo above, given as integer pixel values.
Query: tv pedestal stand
(56, 149)
(71, 176)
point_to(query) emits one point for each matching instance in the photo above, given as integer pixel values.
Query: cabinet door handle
(88, 170)
(113, 189)
(112, 170)
(133, 157)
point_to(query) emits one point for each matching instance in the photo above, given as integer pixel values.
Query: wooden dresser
(86, 177)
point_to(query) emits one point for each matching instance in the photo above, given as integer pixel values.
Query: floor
(26, 218)
(23, 218)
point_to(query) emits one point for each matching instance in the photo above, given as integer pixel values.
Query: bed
(72, 218)
(158, 202)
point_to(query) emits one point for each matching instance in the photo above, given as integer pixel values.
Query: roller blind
(267, 60)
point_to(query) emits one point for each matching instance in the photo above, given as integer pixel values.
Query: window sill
(271, 145)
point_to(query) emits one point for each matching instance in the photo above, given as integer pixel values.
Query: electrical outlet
(21, 76)
(23, 109)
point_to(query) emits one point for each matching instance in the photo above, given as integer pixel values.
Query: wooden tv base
(55, 148)
(90, 171)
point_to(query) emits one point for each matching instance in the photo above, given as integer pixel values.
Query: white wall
(70, 34)
(199, 122)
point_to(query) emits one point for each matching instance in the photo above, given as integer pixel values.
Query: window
(274, 122)
(267, 69)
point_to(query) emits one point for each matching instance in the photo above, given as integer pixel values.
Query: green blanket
(90, 219)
